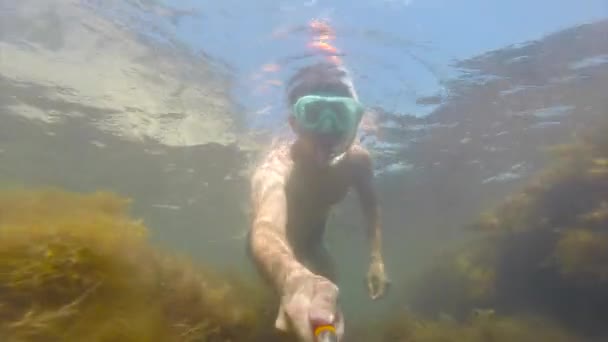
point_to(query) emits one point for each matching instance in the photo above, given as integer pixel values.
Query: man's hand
(308, 301)
(377, 282)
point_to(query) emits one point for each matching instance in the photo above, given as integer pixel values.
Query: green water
(159, 126)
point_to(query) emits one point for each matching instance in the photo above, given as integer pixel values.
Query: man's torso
(310, 193)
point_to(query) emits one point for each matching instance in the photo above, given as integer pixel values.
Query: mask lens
(341, 113)
(318, 111)
(327, 115)
(312, 112)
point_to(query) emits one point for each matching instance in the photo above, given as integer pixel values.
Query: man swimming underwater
(293, 190)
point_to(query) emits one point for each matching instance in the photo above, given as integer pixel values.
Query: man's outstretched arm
(369, 203)
(306, 299)
(269, 246)
(364, 174)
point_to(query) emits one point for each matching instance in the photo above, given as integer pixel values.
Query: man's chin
(323, 157)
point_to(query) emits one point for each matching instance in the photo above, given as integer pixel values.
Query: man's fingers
(297, 313)
(379, 292)
(304, 331)
(313, 303)
(321, 316)
(281, 321)
(377, 287)
(372, 285)
(376, 294)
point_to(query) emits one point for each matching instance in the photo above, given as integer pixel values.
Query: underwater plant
(458, 283)
(583, 253)
(76, 267)
(543, 251)
(482, 327)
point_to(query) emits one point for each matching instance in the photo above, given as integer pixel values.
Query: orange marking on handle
(323, 328)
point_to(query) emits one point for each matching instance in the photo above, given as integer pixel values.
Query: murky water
(172, 103)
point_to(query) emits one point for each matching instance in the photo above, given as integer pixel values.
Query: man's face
(326, 125)
(319, 149)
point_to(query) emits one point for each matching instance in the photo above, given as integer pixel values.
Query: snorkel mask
(330, 120)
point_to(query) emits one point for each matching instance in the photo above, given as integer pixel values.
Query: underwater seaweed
(583, 253)
(458, 284)
(480, 328)
(543, 251)
(76, 267)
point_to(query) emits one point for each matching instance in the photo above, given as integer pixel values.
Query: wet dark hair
(322, 77)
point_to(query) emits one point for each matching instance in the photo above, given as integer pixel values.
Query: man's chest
(319, 189)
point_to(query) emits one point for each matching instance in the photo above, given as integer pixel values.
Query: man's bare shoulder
(270, 176)
(276, 163)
